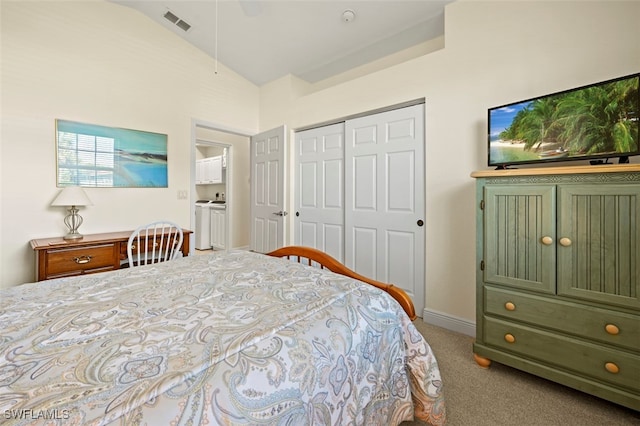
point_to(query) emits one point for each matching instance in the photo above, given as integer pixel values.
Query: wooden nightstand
(56, 257)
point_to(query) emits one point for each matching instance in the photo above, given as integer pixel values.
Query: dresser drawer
(616, 328)
(619, 368)
(79, 260)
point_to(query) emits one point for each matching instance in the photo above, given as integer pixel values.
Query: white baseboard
(449, 322)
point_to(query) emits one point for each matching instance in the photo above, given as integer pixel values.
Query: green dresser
(558, 276)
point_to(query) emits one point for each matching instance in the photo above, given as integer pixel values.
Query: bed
(234, 338)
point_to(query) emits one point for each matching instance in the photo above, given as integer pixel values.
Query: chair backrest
(153, 243)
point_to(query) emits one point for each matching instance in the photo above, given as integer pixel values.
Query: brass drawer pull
(510, 338)
(612, 329)
(510, 306)
(81, 260)
(611, 368)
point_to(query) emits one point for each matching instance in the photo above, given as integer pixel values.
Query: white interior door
(384, 189)
(319, 198)
(268, 150)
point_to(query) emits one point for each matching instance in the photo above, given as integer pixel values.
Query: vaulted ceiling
(263, 40)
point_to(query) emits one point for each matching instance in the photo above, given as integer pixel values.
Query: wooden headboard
(317, 258)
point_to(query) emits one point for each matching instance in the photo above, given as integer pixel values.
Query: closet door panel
(333, 240)
(365, 190)
(400, 247)
(308, 184)
(364, 252)
(384, 186)
(401, 178)
(319, 192)
(307, 234)
(333, 187)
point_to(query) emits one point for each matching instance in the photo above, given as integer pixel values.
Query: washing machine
(203, 224)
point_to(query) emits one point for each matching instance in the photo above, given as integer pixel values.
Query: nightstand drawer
(616, 328)
(78, 260)
(618, 368)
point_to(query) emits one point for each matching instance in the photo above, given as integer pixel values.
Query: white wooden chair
(153, 243)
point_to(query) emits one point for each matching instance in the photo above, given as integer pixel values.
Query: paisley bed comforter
(233, 339)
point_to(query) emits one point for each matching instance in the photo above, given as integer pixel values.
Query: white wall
(495, 53)
(101, 63)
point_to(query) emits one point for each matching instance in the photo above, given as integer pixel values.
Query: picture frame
(91, 155)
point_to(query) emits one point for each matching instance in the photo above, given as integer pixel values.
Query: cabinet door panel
(600, 258)
(199, 172)
(516, 219)
(216, 169)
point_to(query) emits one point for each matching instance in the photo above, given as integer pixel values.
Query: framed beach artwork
(90, 155)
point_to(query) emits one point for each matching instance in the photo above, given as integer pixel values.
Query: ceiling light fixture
(348, 15)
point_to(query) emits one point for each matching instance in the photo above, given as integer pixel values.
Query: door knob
(420, 222)
(281, 213)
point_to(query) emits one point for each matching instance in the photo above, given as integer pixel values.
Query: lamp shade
(72, 196)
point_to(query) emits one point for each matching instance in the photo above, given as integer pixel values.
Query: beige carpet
(505, 396)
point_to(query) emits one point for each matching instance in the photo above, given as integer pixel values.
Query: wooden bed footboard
(310, 255)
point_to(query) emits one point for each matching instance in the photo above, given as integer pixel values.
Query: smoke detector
(348, 15)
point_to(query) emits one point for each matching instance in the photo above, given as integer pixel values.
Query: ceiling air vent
(171, 17)
(183, 25)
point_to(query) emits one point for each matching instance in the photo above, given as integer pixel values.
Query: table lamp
(72, 197)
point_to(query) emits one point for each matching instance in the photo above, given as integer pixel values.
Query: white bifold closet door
(384, 189)
(360, 195)
(319, 197)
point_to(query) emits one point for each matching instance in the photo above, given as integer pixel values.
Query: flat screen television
(595, 122)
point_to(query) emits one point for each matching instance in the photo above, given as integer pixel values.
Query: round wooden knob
(509, 338)
(612, 329)
(510, 306)
(547, 241)
(611, 368)
(565, 242)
